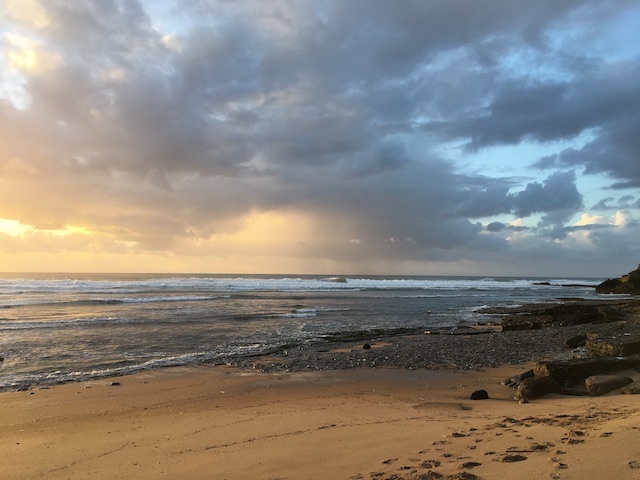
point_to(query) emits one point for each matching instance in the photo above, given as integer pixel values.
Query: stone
(536, 387)
(366, 346)
(576, 341)
(517, 379)
(631, 389)
(114, 384)
(620, 340)
(577, 370)
(603, 384)
(571, 313)
(480, 395)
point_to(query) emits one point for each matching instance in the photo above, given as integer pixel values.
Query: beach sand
(217, 422)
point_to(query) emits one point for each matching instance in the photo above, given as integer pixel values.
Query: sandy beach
(218, 422)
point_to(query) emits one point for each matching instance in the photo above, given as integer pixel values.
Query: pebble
(419, 351)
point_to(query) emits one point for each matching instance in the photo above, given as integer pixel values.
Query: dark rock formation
(516, 380)
(536, 387)
(572, 372)
(480, 395)
(632, 388)
(366, 346)
(620, 340)
(603, 384)
(627, 284)
(576, 341)
(530, 317)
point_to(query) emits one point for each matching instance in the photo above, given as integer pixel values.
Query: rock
(620, 340)
(480, 395)
(575, 342)
(532, 317)
(572, 372)
(536, 387)
(366, 346)
(627, 284)
(517, 379)
(575, 392)
(631, 389)
(114, 384)
(603, 384)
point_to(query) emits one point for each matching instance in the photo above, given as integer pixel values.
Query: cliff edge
(627, 284)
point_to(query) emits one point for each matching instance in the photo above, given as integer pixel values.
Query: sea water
(62, 327)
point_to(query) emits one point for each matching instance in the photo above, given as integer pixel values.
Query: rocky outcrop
(532, 317)
(569, 313)
(627, 284)
(536, 387)
(619, 340)
(603, 384)
(632, 389)
(575, 371)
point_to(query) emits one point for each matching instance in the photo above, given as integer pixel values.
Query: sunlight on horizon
(13, 228)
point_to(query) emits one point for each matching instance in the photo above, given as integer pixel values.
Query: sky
(457, 137)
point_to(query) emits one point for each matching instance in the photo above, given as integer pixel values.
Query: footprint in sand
(559, 465)
(634, 464)
(513, 458)
(573, 441)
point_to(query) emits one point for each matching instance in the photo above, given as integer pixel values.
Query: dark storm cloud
(558, 193)
(622, 203)
(603, 102)
(608, 103)
(333, 109)
(499, 227)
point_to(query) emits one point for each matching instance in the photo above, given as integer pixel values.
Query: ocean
(57, 328)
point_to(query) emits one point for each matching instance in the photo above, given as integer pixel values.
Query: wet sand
(219, 422)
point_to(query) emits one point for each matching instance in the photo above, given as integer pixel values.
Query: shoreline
(467, 347)
(399, 410)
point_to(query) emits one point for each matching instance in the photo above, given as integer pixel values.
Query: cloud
(175, 131)
(624, 202)
(558, 194)
(610, 107)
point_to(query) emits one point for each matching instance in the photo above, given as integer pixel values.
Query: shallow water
(61, 327)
